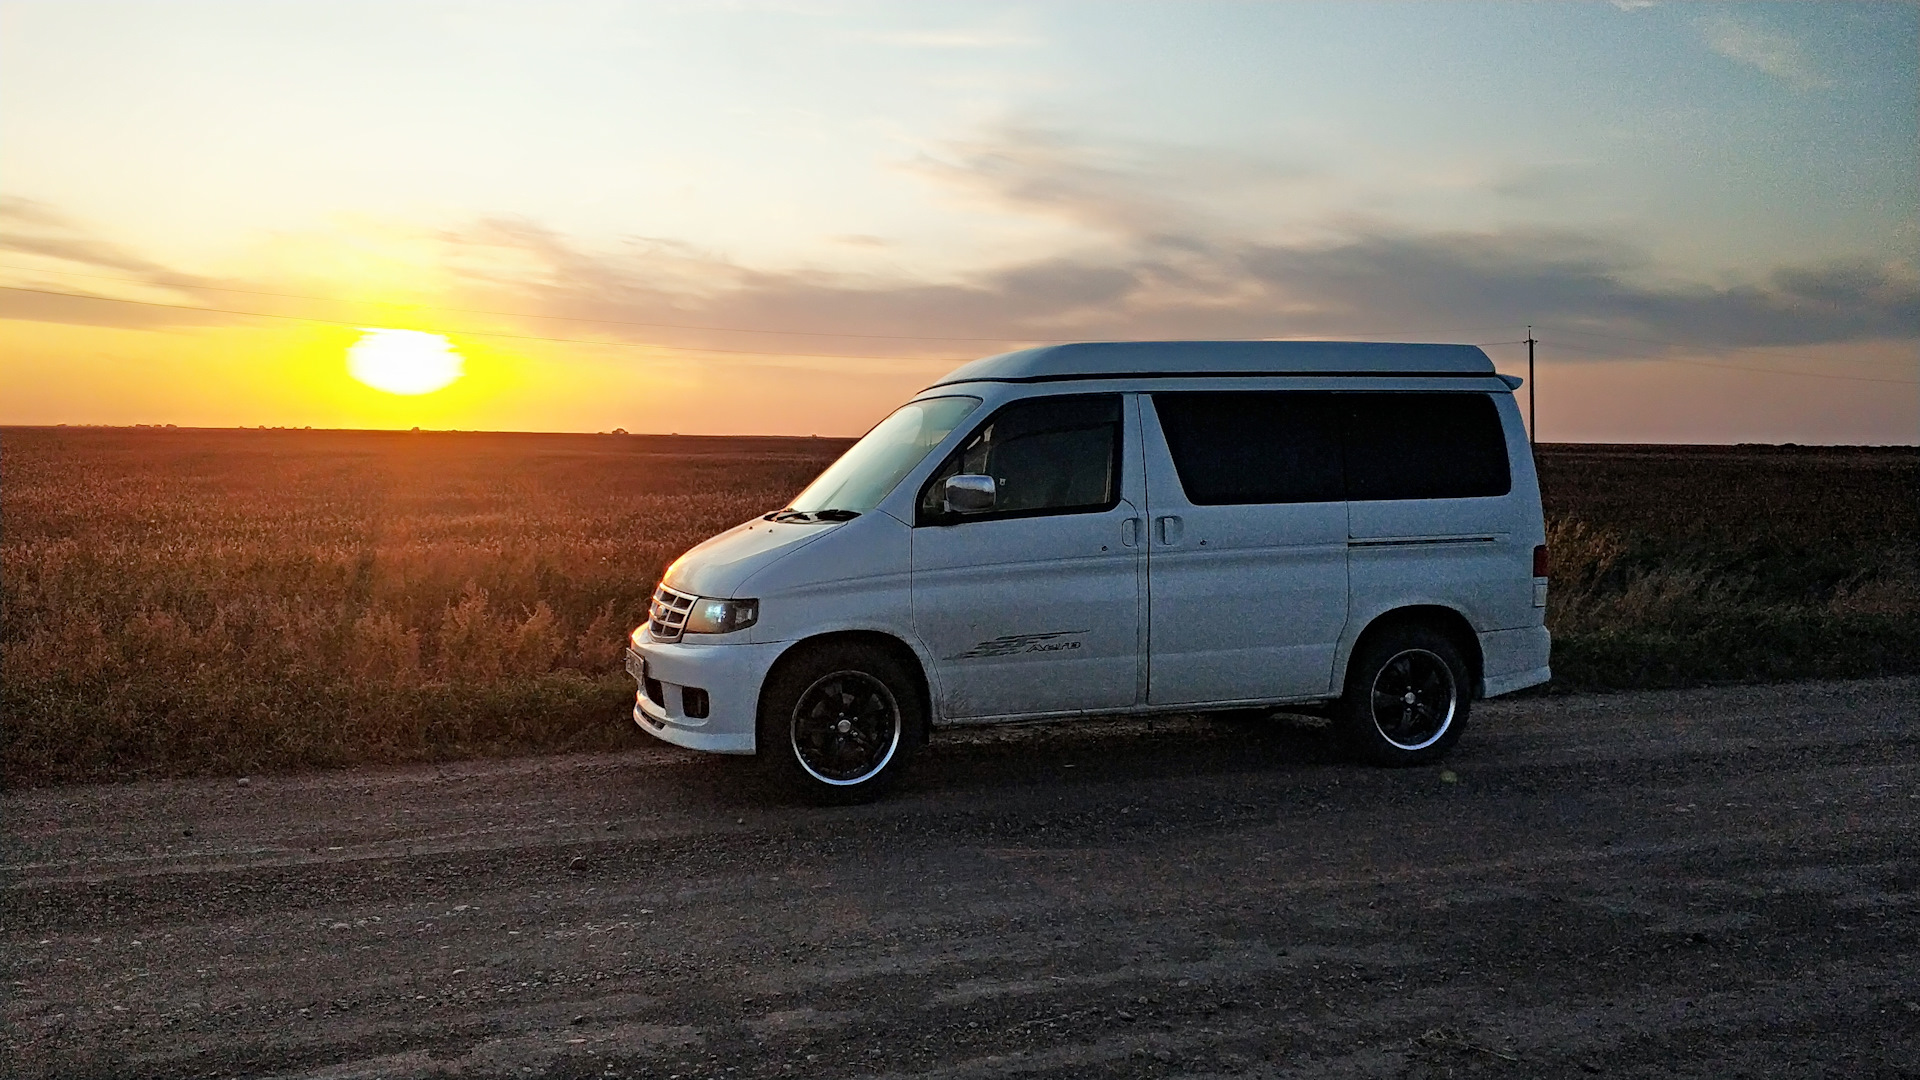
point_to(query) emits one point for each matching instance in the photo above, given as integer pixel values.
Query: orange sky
(296, 375)
(786, 220)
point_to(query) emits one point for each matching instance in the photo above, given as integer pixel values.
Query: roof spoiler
(1513, 381)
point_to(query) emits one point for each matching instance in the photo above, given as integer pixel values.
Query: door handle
(1170, 527)
(1129, 532)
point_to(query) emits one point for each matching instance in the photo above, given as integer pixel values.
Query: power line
(188, 286)
(529, 337)
(824, 356)
(1737, 367)
(193, 285)
(481, 333)
(1680, 345)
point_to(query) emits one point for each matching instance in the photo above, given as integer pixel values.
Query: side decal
(1023, 643)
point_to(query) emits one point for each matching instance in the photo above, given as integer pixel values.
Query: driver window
(1052, 455)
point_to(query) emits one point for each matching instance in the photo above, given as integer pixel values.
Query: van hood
(721, 564)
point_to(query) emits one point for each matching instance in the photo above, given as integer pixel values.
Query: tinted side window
(1424, 446)
(1052, 455)
(1253, 447)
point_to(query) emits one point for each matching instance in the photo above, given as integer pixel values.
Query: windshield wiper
(793, 516)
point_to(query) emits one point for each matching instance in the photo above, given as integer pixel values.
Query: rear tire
(838, 722)
(1407, 698)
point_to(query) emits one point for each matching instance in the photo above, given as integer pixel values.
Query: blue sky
(1690, 200)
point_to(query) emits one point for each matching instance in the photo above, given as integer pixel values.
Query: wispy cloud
(64, 256)
(29, 227)
(1154, 269)
(1137, 192)
(1765, 48)
(1038, 173)
(1157, 267)
(1377, 279)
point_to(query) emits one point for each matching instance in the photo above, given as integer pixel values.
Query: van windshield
(865, 474)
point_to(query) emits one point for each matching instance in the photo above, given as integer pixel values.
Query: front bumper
(731, 675)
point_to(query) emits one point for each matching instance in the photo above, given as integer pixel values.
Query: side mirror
(969, 493)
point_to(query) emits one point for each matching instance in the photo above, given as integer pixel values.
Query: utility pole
(1533, 419)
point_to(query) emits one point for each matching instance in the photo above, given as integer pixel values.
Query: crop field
(195, 601)
(1684, 565)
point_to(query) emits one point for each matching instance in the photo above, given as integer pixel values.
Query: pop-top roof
(1101, 359)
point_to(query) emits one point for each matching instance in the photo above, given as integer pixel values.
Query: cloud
(30, 227)
(1546, 277)
(1118, 190)
(1765, 48)
(1038, 173)
(1191, 275)
(43, 235)
(1146, 262)
(1380, 281)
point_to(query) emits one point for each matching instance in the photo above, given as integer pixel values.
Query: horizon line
(621, 433)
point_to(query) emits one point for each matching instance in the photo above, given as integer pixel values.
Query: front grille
(667, 619)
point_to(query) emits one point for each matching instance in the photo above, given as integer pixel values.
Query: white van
(1123, 527)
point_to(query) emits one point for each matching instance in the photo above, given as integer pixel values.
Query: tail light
(1540, 560)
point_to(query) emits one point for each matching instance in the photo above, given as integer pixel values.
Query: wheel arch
(1446, 620)
(877, 640)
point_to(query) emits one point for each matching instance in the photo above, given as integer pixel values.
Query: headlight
(721, 616)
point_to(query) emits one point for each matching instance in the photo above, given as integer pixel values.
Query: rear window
(1424, 446)
(1318, 446)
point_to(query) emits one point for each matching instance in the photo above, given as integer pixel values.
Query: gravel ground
(1718, 882)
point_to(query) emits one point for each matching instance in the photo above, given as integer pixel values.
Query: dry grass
(183, 601)
(222, 601)
(1677, 565)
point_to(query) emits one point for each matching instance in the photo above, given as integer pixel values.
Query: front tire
(1407, 698)
(837, 723)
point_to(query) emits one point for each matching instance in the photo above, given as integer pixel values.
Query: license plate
(636, 665)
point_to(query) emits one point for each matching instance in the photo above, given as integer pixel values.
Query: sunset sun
(403, 361)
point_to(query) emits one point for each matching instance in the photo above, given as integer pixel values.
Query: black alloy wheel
(1408, 695)
(1414, 698)
(839, 720)
(846, 727)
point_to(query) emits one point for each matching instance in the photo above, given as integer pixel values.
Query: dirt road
(1700, 883)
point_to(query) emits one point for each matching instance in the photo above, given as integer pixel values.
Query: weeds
(1679, 565)
(216, 601)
